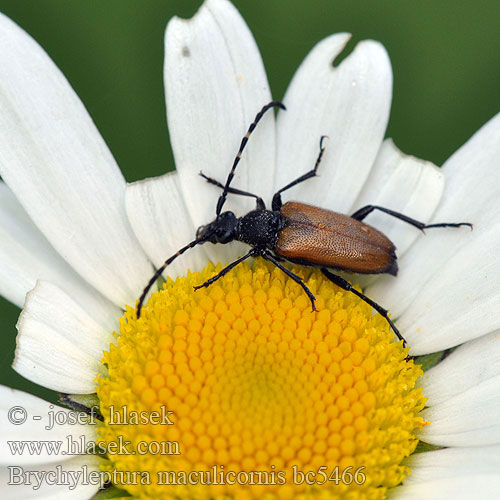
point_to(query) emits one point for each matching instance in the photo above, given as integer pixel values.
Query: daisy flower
(238, 390)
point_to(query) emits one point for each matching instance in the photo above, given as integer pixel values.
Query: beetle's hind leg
(276, 204)
(363, 212)
(271, 258)
(260, 202)
(342, 283)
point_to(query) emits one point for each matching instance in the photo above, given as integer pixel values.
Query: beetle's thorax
(260, 228)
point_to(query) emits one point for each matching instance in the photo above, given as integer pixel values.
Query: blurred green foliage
(445, 56)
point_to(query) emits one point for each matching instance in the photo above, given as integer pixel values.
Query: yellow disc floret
(238, 390)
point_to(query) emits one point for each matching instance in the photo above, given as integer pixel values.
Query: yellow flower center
(240, 391)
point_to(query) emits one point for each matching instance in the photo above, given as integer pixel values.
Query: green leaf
(85, 403)
(422, 447)
(112, 492)
(429, 360)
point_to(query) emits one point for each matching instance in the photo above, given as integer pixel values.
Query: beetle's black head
(221, 230)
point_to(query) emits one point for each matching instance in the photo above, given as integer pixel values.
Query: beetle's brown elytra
(325, 238)
(301, 233)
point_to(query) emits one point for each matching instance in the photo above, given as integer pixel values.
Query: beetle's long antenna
(260, 114)
(161, 269)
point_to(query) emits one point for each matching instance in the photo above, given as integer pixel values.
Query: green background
(445, 56)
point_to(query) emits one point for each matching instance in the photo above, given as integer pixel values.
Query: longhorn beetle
(302, 234)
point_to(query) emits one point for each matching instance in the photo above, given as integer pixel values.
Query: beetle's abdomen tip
(393, 268)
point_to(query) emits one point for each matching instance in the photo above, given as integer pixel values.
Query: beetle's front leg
(226, 270)
(260, 202)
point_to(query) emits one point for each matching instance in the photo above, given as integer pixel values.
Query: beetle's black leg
(271, 258)
(226, 270)
(260, 202)
(342, 283)
(244, 141)
(363, 212)
(276, 204)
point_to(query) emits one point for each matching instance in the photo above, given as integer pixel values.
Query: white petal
(471, 418)
(404, 184)
(460, 302)
(465, 368)
(59, 345)
(59, 168)
(215, 84)
(480, 486)
(26, 256)
(78, 477)
(41, 424)
(454, 272)
(161, 223)
(350, 104)
(453, 462)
